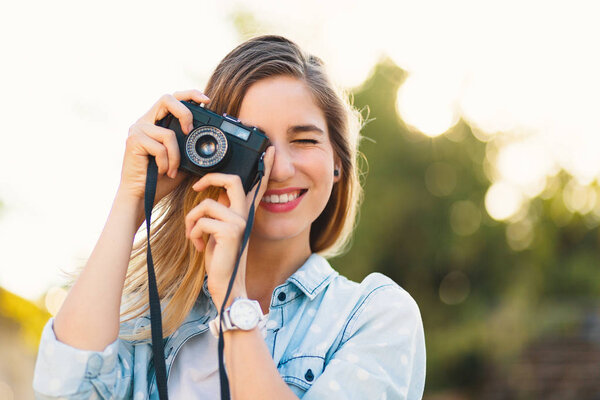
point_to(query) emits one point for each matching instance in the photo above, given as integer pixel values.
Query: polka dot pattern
(334, 386)
(341, 340)
(403, 331)
(271, 324)
(54, 384)
(81, 357)
(378, 326)
(362, 374)
(322, 346)
(49, 349)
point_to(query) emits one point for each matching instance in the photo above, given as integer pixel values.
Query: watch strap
(228, 325)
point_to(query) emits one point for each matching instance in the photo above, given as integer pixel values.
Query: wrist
(219, 296)
(243, 315)
(134, 204)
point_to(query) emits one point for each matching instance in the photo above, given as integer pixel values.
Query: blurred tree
(483, 294)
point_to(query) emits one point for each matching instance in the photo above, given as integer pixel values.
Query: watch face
(243, 314)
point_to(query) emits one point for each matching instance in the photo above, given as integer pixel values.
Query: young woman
(325, 337)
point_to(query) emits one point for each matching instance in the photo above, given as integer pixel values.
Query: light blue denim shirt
(329, 337)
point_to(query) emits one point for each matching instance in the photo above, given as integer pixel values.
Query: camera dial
(206, 146)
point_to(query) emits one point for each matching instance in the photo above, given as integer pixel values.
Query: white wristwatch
(244, 314)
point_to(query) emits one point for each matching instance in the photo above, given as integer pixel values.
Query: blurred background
(481, 174)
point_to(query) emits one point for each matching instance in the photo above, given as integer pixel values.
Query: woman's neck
(270, 263)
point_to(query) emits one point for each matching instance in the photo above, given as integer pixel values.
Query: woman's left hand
(224, 221)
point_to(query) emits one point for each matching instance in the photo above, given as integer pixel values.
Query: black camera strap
(154, 300)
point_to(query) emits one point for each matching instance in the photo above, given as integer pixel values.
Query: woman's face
(301, 178)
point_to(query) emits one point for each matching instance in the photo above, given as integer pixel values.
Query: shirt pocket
(301, 371)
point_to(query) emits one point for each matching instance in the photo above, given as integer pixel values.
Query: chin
(281, 230)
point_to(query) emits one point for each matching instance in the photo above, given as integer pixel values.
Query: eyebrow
(304, 128)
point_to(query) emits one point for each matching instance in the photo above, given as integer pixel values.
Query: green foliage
(424, 224)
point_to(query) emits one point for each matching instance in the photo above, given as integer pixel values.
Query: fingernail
(205, 97)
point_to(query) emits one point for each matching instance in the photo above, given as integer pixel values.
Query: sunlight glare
(427, 103)
(503, 200)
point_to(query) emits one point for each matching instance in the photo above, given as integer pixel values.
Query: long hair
(179, 268)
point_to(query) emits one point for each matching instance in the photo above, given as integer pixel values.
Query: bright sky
(75, 75)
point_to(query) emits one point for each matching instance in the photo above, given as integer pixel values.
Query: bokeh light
(503, 200)
(579, 198)
(525, 164)
(461, 61)
(427, 103)
(455, 288)
(465, 217)
(519, 235)
(440, 179)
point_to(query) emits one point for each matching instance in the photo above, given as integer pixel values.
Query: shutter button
(281, 296)
(309, 375)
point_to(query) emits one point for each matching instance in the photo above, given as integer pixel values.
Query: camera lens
(206, 146)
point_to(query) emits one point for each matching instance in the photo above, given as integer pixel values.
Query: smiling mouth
(283, 198)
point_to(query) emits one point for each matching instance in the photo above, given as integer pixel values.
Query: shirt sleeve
(382, 352)
(62, 371)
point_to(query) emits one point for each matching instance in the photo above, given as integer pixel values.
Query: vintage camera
(218, 144)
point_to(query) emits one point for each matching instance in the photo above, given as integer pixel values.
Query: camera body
(218, 144)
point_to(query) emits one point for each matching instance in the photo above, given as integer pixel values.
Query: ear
(337, 172)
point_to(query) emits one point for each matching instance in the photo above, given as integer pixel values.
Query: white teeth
(284, 198)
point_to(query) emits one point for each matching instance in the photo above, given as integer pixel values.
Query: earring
(336, 172)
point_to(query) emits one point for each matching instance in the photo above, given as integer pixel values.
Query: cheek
(320, 169)
(317, 164)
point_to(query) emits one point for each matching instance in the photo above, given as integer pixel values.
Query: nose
(283, 165)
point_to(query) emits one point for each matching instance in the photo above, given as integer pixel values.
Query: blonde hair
(178, 266)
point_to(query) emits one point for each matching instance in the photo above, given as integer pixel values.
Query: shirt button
(309, 375)
(281, 296)
(93, 366)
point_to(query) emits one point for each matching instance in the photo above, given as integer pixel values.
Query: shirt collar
(313, 276)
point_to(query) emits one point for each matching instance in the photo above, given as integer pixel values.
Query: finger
(170, 104)
(198, 243)
(192, 94)
(145, 145)
(233, 187)
(168, 139)
(167, 104)
(215, 210)
(216, 228)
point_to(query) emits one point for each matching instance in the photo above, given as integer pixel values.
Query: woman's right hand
(145, 138)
